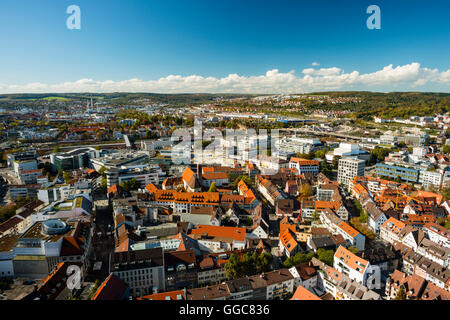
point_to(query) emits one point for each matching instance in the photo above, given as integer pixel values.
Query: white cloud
(315, 64)
(322, 71)
(273, 81)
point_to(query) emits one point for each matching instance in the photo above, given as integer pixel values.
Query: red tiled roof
(215, 176)
(303, 294)
(111, 289)
(348, 229)
(114, 189)
(170, 295)
(351, 260)
(288, 240)
(304, 162)
(234, 233)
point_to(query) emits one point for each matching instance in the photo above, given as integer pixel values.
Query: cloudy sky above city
(224, 47)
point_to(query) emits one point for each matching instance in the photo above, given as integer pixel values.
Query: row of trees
(236, 178)
(326, 256)
(377, 155)
(249, 264)
(131, 184)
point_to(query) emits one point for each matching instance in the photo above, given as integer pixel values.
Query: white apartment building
(299, 145)
(434, 252)
(348, 150)
(390, 231)
(50, 192)
(351, 265)
(304, 165)
(431, 178)
(144, 175)
(349, 168)
(438, 234)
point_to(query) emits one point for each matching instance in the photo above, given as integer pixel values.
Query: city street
(103, 242)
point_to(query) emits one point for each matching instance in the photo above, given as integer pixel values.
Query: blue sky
(202, 39)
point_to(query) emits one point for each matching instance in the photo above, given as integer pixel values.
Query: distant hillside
(118, 98)
(388, 105)
(393, 104)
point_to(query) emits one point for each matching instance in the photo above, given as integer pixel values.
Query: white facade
(25, 165)
(142, 281)
(430, 178)
(441, 238)
(350, 168)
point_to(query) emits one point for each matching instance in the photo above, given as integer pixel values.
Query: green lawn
(55, 98)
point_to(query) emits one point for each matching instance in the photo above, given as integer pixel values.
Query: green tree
(104, 183)
(245, 178)
(306, 190)
(446, 193)
(401, 294)
(315, 216)
(298, 258)
(326, 256)
(308, 156)
(212, 187)
(446, 149)
(131, 184)
(353, 249)
(102, 171)
(378, 154)
(335, 162)
(249, 264)
(67, 176)
(233, 268)
(325, 168)
(321, 153)
(264, 262)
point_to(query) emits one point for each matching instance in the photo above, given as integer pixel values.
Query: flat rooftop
(8, 242)
(35, 232)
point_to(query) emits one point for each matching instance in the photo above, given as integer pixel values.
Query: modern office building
(24, 165)
(395, 171)
(20, 156)
(348, 150)
(119, 159)
(44, 244)
(415, 140)
(300, 145)
(388, 139)
(350, 168)
(144, 175)
(74, 159)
